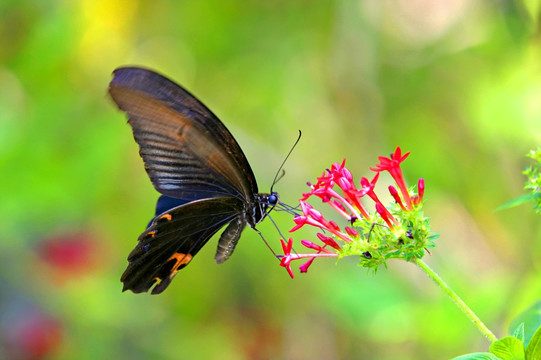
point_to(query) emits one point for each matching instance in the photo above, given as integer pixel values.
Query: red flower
(68, 256)
(351, 232)
(392, 165)
(337, 188)
(385, 215)
(32, 336)
(420, 191)
(304, 267)
(341, 176)
(396, 197)
(328, 241)
(313, 246)
(286, 259)
(368, 189)
(313, 217)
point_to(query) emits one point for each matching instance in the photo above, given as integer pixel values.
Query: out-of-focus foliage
(533, 184)
(457, 83)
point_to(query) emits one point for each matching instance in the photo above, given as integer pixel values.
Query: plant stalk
(457, 300)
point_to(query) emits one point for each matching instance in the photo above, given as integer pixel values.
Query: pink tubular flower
(314, 218)
(392, 165)
(338, 175)
(368, 189)
(351, 232)
(304, 267)
(311, 245)
(385, 234)
(286, 260)
(384, 214)
(420, 189)
(420, 192)
(328, 241)
(396, 197)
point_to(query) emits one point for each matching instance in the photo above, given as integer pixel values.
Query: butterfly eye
(273, 198)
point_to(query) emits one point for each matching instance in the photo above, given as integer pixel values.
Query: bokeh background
(455, 82)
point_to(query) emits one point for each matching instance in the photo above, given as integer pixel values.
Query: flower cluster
(398, 231)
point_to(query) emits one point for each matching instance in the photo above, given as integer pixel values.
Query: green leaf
(519, 332)
(508, 348)
(531, 318)
(533, 351)
(515, 202)
(477, 356)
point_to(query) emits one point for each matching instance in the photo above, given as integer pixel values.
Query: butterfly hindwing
(173, 239)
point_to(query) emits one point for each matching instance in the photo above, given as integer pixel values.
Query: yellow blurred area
(107, 30)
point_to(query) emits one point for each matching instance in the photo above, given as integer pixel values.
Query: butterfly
(193, 161)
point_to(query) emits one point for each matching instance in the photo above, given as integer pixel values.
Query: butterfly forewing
(188, 152)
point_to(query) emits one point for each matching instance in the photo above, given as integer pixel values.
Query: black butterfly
(197, 166)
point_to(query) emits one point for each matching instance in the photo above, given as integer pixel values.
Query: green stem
(457, 300)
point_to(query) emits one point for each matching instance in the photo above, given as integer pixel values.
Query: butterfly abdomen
(229, 239)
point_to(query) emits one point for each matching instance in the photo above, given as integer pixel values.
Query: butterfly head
(273, 198)
(268, 201)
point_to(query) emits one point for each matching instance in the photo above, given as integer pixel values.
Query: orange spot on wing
(182, 259)
(148, 235)
(167, 217)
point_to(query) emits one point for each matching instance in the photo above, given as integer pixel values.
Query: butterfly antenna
(280, 173)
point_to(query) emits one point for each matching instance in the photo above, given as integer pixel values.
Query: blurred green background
(455, 82)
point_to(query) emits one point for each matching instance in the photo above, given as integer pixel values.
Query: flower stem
(457, 300)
